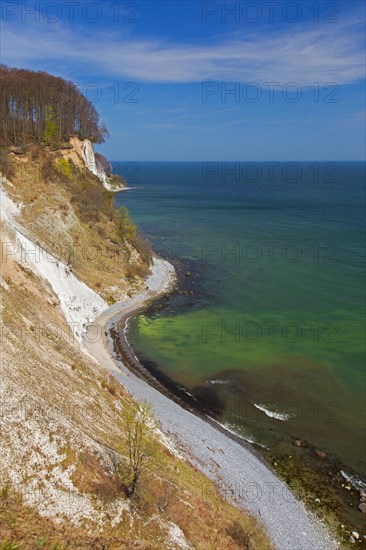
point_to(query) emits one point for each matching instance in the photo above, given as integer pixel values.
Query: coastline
(242, 474)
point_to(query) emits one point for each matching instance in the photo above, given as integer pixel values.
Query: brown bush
(36, 151)
(92, 201)
(237, 532)
(49, 172)
(6, 166)
(92, 477)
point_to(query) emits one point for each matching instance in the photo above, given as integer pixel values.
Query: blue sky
(192, 80)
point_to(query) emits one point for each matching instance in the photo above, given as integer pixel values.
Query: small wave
(254, 442)
(225, 426)
(357, 483)
(273, 414)
(126, 326)
(187, 392)
(248, 439)
(218, 382)
(125, 329)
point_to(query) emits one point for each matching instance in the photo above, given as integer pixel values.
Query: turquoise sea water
(270, 328)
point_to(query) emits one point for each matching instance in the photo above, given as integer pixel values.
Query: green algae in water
(276, 313)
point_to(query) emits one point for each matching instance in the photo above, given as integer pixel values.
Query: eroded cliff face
(83, 150)
(67, 211)
(61, 429)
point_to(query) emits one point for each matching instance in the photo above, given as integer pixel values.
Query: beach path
(243, 477)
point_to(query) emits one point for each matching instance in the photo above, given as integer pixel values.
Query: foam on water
(273, 414)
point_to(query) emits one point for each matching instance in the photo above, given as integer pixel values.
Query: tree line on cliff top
(38, 107)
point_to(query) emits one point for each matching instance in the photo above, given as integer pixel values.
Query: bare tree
(167, 496)
(139, 425)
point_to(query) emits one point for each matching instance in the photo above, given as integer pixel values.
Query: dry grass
(192, 501)
(70, 401)
(22, 527)
(70, 213)
(62, 431)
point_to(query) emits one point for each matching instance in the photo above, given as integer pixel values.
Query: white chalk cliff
(86, 151)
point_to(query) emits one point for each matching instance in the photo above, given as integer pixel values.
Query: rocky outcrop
(82, 153)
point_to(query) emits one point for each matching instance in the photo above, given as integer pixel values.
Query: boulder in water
(320, 454)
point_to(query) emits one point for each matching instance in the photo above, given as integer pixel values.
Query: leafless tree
(139, 427)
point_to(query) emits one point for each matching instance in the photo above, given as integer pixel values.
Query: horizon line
(237, 160)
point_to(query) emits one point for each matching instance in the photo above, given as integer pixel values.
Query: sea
(266, 329)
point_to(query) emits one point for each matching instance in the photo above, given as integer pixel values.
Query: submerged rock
(320, 454)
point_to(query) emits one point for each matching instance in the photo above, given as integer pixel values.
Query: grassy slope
(61, 426)
(67, 210)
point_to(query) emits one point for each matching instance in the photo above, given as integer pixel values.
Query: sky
(205, 80)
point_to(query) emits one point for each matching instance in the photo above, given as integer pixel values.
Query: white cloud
(323, 53)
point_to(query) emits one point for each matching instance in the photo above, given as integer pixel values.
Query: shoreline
(225, 458)
(315, 473)
(123, 353)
